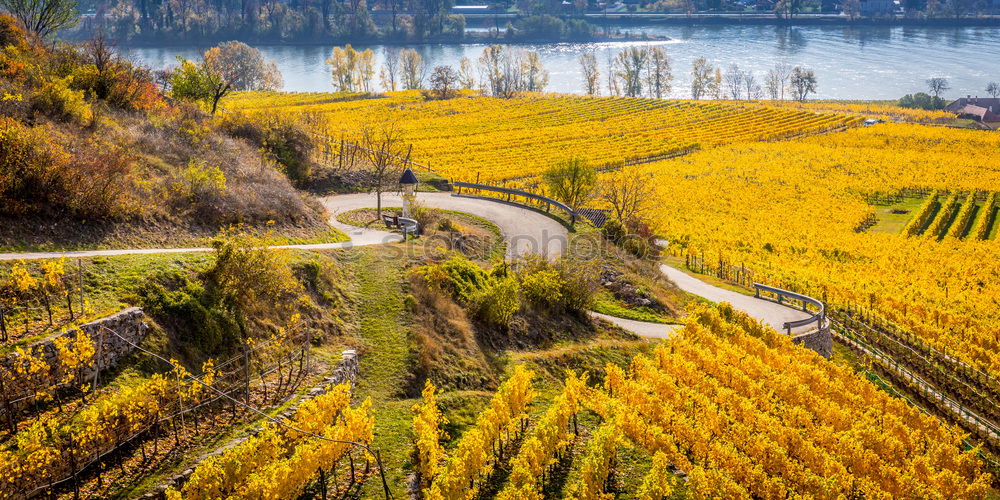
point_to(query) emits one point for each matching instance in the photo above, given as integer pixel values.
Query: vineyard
(491, 140)
(780, 423)
(791, 211)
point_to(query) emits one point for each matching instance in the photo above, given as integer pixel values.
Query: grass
(893, 218)
(610, 307)
(110, 284)
(367, 218)
(385, 361)
(114, 236)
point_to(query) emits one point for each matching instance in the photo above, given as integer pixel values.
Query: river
(851, 62)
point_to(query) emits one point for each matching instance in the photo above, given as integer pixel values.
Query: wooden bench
(409, 226)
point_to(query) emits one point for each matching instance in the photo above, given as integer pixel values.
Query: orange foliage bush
(30, 166)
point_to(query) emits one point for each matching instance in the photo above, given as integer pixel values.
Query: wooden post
(83, 303)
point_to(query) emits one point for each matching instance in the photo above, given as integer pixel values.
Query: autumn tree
(705, 79)
(629, 65)
(444, 82)
(658, 75)
(466, 74)
(198, 82)
(628, 192)
(243, 67)
(412, 67)
(571, 181)
(803, 83)
(385, 155)
(42, 17)
(591, 75)
(506, 72)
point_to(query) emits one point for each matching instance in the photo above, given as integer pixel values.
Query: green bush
(498, 301)
(543, 288)
(458, 276)
(921, 100)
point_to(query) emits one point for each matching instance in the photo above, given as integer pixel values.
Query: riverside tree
(243, 66)
(591, 75)
(803, 83)
(705, 80)
(412, 67)
(42, 17)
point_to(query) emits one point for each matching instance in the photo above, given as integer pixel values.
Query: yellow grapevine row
(791, 211)
(549, 437)
(472, 458)
(781, 421)
(499, 139)
(279, 461)
(48, 450)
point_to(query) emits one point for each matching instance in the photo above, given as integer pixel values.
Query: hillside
(94, 155)
(497, 354)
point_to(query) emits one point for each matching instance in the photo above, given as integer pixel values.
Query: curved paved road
(769, 312)
(525, 230)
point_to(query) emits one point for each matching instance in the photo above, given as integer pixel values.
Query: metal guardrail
(819, 317)
(517, 192)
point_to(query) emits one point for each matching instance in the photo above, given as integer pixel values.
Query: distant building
(984, 109)
(877, 8)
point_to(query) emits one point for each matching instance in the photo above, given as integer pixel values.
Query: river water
(851, 62)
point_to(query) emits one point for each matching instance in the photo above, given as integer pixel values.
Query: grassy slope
(385, 361)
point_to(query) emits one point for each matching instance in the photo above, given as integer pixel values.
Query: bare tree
(389, 74)
(628, 192)
(444, 82)
(42, 17)
(750, 85)
(385, 155)
(701, 77)
(591, 75)
(803, 83)
(613, 88)
(466, 75)
(993, 89)
(413, 69)
(243, 66)
(631, 62)
(658, 75)
(733, 79)
(777, 80)
(938, 86)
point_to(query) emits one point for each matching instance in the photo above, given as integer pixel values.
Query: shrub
(425, 217)
(287, 141)
(498, 301)
(458, 276)
(921, 100)
(102, 183)
(541, 26)
(200, 181)
(56, 99)
(543, 288)
(30, 168)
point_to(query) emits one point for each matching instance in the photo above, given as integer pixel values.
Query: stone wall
(818, 340)
(109, 348)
